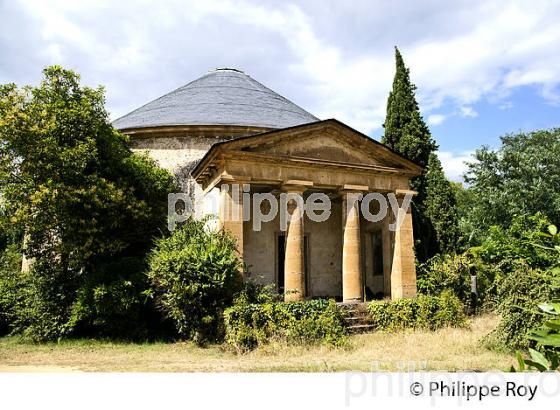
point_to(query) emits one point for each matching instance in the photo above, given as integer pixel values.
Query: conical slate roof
(221, 97)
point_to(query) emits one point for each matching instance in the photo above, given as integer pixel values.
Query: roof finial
(227, 69)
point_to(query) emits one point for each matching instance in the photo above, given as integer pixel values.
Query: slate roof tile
(221, 97)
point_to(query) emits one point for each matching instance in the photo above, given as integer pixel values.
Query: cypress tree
(405, 130)
(434, 213)
(441, 208)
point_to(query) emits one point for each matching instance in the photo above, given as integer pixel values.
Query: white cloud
(454, 164)
(334, 60)
(436, 119)
(467, 111)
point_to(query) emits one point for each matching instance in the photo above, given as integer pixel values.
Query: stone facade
(335, 258)
(345, 256)
(226, 129)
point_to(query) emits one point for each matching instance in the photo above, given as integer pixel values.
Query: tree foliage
(12, 288)
(405, 130)
(519, 178)
(81, 196)
(435, 215)
(440, 207)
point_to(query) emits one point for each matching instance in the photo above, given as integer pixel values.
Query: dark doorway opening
(377, 250)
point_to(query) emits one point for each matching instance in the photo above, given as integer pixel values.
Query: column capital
(296, 185)
(234, 179)
(403, 192)
(353, 189)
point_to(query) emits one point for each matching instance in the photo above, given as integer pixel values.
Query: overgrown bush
(194, 275)
(520, 292)
(423, 312)
(12, 288)
(254, 292)
(445, 272)
(453, 272)
(113, 303)
(523, 240)
(497, 258)
(249, 325)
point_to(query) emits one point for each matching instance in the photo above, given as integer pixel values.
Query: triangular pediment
(327, 140)
(327, 143)
(322, 146)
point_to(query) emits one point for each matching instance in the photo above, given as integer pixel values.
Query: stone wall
(179, 149)
(179, 154)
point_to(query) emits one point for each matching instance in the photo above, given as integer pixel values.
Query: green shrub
(70, 181)
(194, 275)
(249, 325)
(254, 292)
(496, 259)
(445, 272)
(519, 294)
(523, 240)
(532, 280)
(112, 302)
(453, 273)
(423, 312)
(12, 288)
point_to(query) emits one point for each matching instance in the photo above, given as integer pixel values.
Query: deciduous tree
(519, 178)
(83, 198)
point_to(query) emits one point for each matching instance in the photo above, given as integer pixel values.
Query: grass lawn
(446, 349)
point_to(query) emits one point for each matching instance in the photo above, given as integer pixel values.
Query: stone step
(358, 319)
(362, 328)
(357, 314)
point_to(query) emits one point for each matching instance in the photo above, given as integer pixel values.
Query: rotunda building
(228, 138)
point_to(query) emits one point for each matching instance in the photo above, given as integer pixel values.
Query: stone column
(352, 278)
(231, 211)
(294, 263)
(403, 271)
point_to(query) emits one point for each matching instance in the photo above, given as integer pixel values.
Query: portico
(343, 254)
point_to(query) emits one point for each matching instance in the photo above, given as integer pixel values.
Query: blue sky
(459, 135)
(524, 110)
(482, 68)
